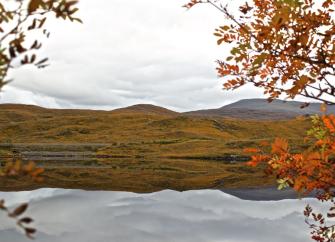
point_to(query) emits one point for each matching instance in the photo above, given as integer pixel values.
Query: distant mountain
(145, 109)
(262, 109)
(253, 109)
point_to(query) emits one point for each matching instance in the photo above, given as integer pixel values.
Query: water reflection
(197, 216)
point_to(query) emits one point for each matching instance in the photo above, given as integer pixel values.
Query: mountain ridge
(243, 109)
(262, 109)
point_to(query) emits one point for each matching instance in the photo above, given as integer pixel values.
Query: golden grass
(28, 124)
(148, 140)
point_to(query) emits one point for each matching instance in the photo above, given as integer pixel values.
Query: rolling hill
(167, 150)
(262, 110)
(146, 109)
(147, 130)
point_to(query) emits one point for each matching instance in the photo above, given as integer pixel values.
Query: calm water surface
(167, 216)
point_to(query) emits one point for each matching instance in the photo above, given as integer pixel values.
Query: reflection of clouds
(204, 216)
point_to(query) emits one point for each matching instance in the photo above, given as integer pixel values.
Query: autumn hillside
(168, 150)
(143, 130)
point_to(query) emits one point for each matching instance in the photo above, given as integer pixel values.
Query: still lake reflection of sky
(167, 216)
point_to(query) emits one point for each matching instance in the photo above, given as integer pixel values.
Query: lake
(198, 216)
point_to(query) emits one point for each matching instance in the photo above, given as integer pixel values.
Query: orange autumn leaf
(191, 4)
(256, 159)
(329, 122)
(252, 163)
(264, 143)
(251, 150)
(320, 142)
(313, 161)
(279, 146)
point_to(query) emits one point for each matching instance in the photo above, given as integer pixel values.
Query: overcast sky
(129, 52)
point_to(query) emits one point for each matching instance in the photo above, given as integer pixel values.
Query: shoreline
(251, 194)
(265, 193)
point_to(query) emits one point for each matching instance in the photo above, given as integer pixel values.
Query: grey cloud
(128, 52)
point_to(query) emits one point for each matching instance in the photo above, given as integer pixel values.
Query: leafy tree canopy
(285, 47)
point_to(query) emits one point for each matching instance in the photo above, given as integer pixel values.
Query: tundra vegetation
(167, 149)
